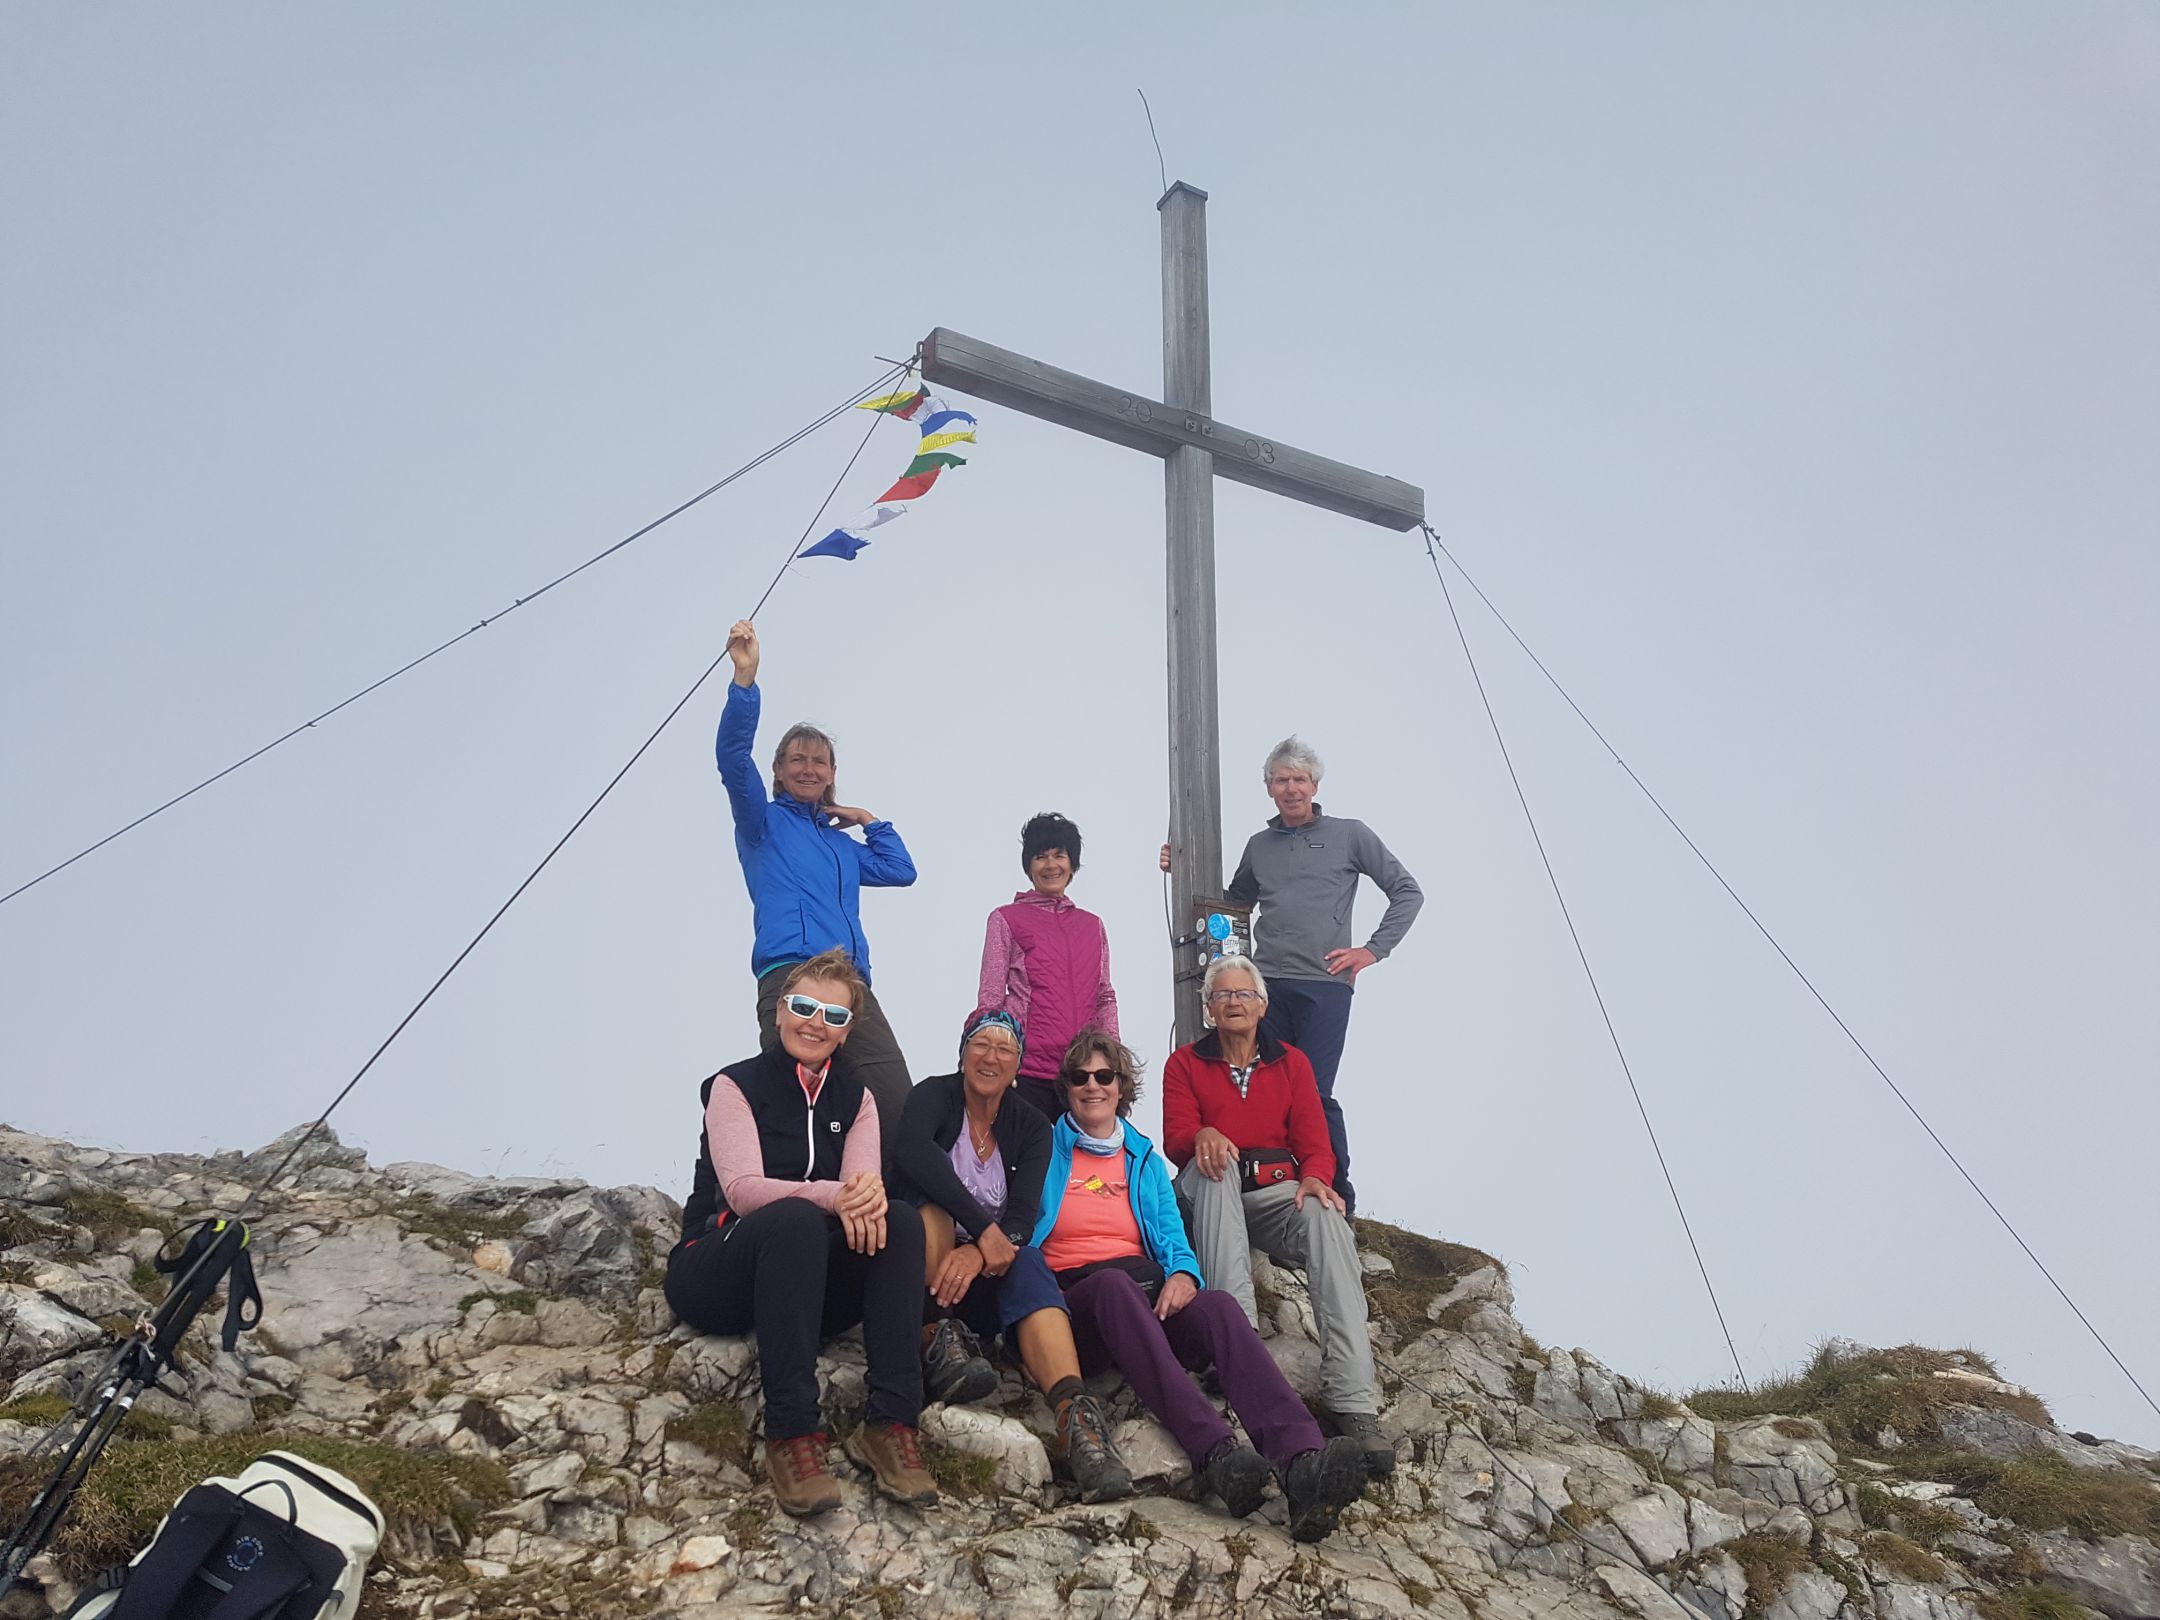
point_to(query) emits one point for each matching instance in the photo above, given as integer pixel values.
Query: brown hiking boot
(893, 1452)
(801, 1483)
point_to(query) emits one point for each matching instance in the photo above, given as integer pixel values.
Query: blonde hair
(835, 965)
(804, 731)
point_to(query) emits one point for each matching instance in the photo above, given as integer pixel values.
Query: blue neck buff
(1100, 1146)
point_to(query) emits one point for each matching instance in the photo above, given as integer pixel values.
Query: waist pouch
(1139, 1267)
(1267, 1167)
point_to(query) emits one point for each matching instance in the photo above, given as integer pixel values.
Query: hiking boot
(893, 1452)
(1239, 1475)
(953, 1367)
(1083, 1440)
(1364, 1428)
(801, 1483)
(1321, 1484)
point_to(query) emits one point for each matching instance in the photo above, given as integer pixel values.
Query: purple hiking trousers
(1114, 1325)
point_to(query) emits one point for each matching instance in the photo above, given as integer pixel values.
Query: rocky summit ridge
(493, 1360)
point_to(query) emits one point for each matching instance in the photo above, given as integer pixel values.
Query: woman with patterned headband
(972, 1155)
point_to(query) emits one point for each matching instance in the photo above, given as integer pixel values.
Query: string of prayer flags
(941, 427)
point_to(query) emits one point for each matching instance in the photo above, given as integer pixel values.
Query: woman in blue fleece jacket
(805, 875)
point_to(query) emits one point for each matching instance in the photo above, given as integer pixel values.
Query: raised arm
(1404, 895)
(738, 730)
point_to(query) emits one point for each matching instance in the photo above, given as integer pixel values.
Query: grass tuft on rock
(2031, 1603)
(1923, 1522)
(1907, 1560)
(2041, 1491)
(19, 1226)
(1769, 1562)
(137, 1481)
(1425, 1269)
(1858, 1394)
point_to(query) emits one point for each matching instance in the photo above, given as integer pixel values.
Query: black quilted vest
(800, 1141)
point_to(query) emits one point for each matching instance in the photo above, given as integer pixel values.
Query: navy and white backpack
(287, 1540)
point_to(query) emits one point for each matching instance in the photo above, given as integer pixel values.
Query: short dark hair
(1100, 1043)
(1047, 831)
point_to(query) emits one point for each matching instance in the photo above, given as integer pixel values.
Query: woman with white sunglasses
(786, 1234)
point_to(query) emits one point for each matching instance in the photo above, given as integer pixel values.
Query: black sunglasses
(1093, 1077)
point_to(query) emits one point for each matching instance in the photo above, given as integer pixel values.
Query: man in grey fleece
(1301, 872)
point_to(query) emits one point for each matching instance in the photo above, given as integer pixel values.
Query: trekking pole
(213, 1249)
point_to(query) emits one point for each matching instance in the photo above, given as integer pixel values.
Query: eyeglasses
(1093, 1077)
(1233, 995)
(809, 1007)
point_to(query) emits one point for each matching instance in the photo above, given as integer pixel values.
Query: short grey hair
(1233, 962)
(1297, 754)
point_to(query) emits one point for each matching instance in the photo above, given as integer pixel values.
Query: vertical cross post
(1189, 500)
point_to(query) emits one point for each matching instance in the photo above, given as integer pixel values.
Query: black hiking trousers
(785, 1272)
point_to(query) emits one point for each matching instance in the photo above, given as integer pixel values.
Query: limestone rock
(518, 1322)
(2118, 1575)
(35, 1330)
(1023, 1466)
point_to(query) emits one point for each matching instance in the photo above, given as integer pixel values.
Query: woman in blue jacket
(1110, 1232)
(805, 875)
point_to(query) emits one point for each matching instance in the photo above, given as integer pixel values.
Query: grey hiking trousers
(1228, 1223)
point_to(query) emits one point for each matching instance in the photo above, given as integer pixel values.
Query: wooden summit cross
(1195, 449)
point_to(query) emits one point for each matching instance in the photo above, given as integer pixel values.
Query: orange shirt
(1095, 1221)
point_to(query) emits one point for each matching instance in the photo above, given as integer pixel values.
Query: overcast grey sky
(1788, 374)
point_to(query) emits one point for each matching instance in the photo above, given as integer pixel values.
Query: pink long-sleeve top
(1047, 962)
(731, 1139)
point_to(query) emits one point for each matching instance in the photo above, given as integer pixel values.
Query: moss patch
(150, 1282)
(137, 1480)
(960, 1473)
(520, 1301)
(42, 1410)
(717, 1429)
(1425, 1269)
(1857, 1394)
(425, 1216)
(111, 1216)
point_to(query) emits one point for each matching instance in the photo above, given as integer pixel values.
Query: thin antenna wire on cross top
(1161, 167)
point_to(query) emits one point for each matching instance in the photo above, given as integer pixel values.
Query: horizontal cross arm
(953, 360)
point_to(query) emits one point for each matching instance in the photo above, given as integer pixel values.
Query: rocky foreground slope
(493, 1360)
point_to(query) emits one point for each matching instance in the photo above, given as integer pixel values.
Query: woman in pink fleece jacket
(1047, 962)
